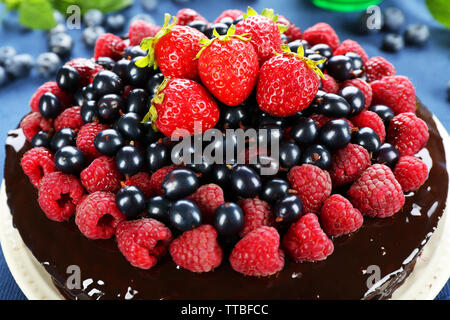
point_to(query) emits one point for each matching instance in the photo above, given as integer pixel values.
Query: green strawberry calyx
(217, 37)
(158, 98)
(150, 43)
(268, 13)
(313, 65)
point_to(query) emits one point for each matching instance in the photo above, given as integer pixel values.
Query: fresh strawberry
(179, 105)
(228, 66)
(264, 32)
(186, 15)
(287, 83)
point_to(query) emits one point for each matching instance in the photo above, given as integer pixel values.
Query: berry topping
(338, 217)
(411, 173)
(36, 163)
(348, 163)
(101, 175)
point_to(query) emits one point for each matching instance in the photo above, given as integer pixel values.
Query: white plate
(429, 276)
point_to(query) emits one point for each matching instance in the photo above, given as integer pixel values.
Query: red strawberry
(186, 15)
(140, 29)
(179, 105)
(264, 32)
(287, 83)
(228, 66)
(109, 45)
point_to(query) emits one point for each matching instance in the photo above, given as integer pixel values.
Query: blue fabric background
(428, 68)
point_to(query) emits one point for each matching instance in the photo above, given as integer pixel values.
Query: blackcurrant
(109, 107)
(106, 62)
(185, 215)
(317, 155)
(199, 25)
(273, 190)
(335, 134)
(154, 82)
(333, 105)
(294, 45)
(221, 175)
(89, 111)
(132, 52)
(305, 131)
(357, 61)
(130, 126)
(384, 112)
(137, 76)
(49, 105)
(64, 137)
(121, 69)
(89, 92)
(289, 154)
(68, 78)
(69, 159)
(41, 139)
(137, 102)
(149, 135)
(288, 209)
(130, 201)
(387, 154)
(108, 142)
(129, 160)
(245, 182)
(221, 29)
(355, 98)
(180, 183)
(367, 138)
(228, 219)
(323, 49)
(106, 82)
(158, 208)
(232, 117)
(157, 156)
(340, 67)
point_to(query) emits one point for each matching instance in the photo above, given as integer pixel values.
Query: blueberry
(273, 190)
(221, 29)
(387, 154)
(393, 19)
(106, 62)
(89, 111)
(157, 156)
(340, 67)
(185, 215)
(3, 76)
(68, 78)
(69, 159)
(228, 219)
(129, 160)
(384, 112)
(317, 155)
(245, 182)
(158, 208)
(109, 107)
(323, 50)
(180, 183)
(417, 34)
(115, 21)
(333, 105)
(294, 45)
(367, 138)
(357, 61)
(355, 98)
(64, 137)
(199, 25)
(130, 126)
(91, 34)
(89, 92)
(49, 105)
(232, 117)
(130, 201)
(19, 66)
(392, 42)
(93, 17)
(106, 82)
(288, 209)
(121, 68)
(154, 82)
(137, 76)
(305, 131)
(289, 154)
(132, 52)
(108, 142)
(335, 134)
(221, 175)
(6, 53)
(41, 139)
(47, 64)
(61, 44)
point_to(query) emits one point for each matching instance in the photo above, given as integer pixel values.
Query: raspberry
(197, 250)
(140, 29)
(321, 33)
(293, 32)
(372, 120)
(306, 241)
(143, 241)
(378, 67)
(208, 197)
(407, 133)
(329, 84)
(258, 253)
(231, 13)
(109, 45)
(186, 15)
(364, 87)
(59, 194)
(36, 163)
(101, 175)
(51, 86)
(257, 213)
(87, 69)
(396, 92)
(377, 193)
(313, 185)
(69, 118)
(33, 123)
(338, 217)
(351, 46)
(86, 136)
(158, 177)
(348, 163)
(411, 173)
(97, 216)
(142, 181)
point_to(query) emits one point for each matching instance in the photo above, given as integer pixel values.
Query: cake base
(392, 244)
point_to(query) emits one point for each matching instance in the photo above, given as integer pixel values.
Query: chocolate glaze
(393, 244)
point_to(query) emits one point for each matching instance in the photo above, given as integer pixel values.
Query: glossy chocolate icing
(393, 244)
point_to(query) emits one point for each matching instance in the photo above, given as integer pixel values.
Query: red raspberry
(329, 84)
(396, 92)
(348, 163)
(158, 177)
(372, 120)
(86, 136)
(186, 15)
(351, 46)
(258, 253)
(101, 175)
(378, 67)
(411, 173)
(51, 86)
(230, 13)
(33, 123)
(87, 69)
(143, 241)
(208, 197)
(338, 217)
(364, 87)
(142, 181)
(321, 119)
(109, 45)
(97, 215)
(293, 32)
(36, 163)
(377, 193)
(313, 185)
(59, 194)
(257, 213)
(197, 250)
(140, 29)
(69, 118)
(321, 33)
(306, 241)
(407, 133)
